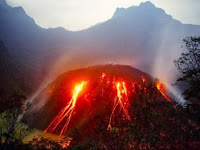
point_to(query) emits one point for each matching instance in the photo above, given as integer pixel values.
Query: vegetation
(156, 126)
(41, 143)
(12, 126)
(189, 66)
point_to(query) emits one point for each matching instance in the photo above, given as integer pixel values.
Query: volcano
(78, 98)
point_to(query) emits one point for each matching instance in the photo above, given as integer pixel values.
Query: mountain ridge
(132, 35)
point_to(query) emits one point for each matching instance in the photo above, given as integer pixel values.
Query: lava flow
(162, 91)
(111, 95)
(121, 100)
(66, 112)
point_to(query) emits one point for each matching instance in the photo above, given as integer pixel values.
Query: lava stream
(66, 112)
(121, 100)
(162, 91)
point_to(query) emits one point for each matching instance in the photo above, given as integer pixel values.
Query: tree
(189, 66)
(13, 128)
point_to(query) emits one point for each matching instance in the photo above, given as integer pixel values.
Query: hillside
(7, 68)
(117, 107)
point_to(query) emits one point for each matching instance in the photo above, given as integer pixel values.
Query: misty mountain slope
(142, 36)
(8, 85)
(14, 77)
(139, 32)
(24, 37)
(30, 45)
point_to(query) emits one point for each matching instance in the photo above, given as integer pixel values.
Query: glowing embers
(160, 87)
(103, 76)
(122, 101)
(143, 79)
(66, 112)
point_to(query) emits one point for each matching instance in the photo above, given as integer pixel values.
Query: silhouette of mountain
(137, 35)
(27, 43)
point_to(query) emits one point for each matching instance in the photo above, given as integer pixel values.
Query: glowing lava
(143, 79)
(66, 112)
(121, 100)
(162, 91)
(103, 75)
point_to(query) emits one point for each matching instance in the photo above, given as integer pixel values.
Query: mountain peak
(142, 8)
(147, 4)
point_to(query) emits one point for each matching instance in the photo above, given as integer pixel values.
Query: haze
(81, 14)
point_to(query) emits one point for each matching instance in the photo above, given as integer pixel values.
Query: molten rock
(76, 98)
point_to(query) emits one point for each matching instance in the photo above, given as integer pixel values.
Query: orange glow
(125, 89)
(162, 91)
(103, 75)
(122, 91)
(66, 112)
(143, 79)
(121, 100)
(65, 144)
